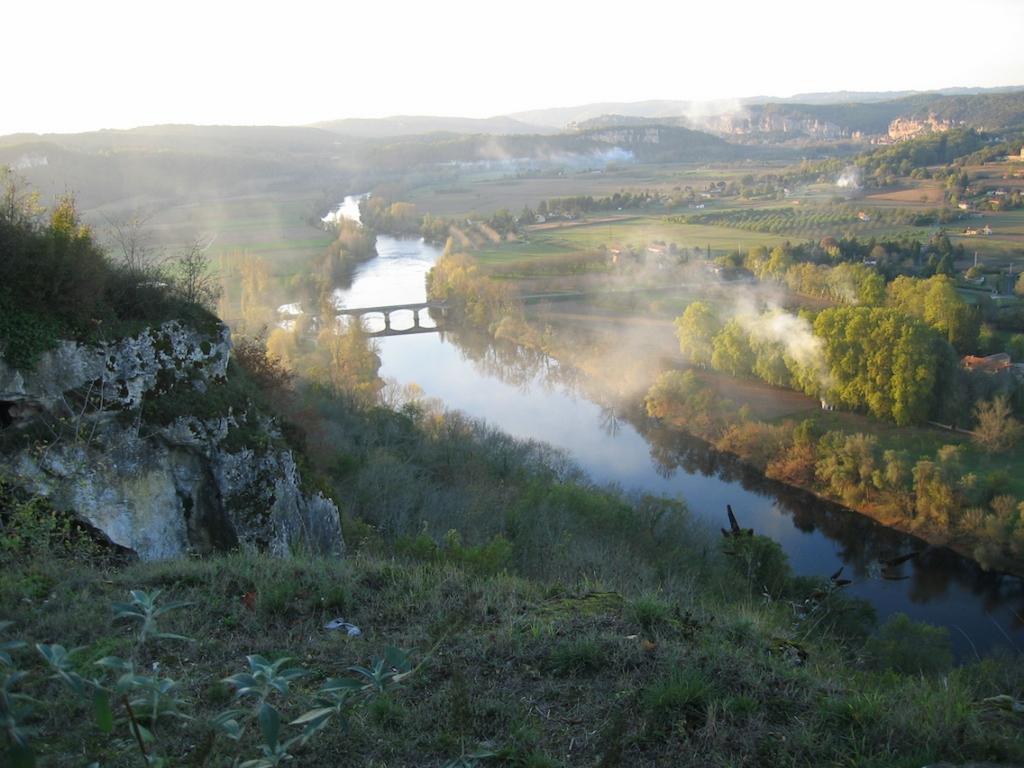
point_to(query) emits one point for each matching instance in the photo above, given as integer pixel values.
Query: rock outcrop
(105, 432)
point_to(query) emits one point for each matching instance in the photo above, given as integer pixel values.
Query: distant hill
(992, 111)
(560, 117)
(984, 111)
(225, 139)
(581, 149)
(852, 108)
(412, 125)
(172, 162)
(864, 97)
(162, 164)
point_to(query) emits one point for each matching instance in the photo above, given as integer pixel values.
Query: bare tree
(131, 238)
(194, 277)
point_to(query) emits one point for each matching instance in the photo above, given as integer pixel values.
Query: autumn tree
(348, 362)
(936, 492)
(255, 277)
(997, 430)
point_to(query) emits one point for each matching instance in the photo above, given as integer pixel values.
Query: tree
(731, 350)
(1018, 288)
(196, 282)
(997, 430)
(695, 329)
(349, 362)
(131, 238)
(18, 204)
(1016, 347)
(937, 302)
(282, 346)
(882, 360)
(254, 279)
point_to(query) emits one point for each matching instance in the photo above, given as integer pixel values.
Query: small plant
(577, 656)
(123, 695)
(144, 610)
(650, 612)
(682, 697)
(141, 700)
(15, 707)
(334, 699)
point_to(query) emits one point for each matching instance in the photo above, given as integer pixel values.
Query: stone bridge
(416, 308)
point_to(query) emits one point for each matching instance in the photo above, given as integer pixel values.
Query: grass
(497, 666)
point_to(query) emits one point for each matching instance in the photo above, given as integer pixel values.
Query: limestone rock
(159, 490)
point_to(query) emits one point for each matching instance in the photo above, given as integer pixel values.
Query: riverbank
(525, 393)
(761, 427)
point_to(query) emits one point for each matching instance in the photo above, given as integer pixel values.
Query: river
(983, 611)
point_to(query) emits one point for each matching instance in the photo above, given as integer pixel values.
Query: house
(991, 364)
(964, 206)
(657, 250)
(863, 216)
(986, 230)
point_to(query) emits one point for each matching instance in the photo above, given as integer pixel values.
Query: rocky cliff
(145, 440)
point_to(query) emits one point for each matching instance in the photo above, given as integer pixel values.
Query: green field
(469, 194)
(1005, 244)
(275, 227)
(574, 239)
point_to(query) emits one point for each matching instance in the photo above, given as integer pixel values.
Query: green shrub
(910, 647)
(25, 335)
(573, 657)
(650, 612)
(760, 561)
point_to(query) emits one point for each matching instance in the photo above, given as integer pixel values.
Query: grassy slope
(547, 675)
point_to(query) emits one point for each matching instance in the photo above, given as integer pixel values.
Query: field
(279, 228)
(571, 239)
(278, 231)
(1004, 246)
(483, 194)
(921, 193)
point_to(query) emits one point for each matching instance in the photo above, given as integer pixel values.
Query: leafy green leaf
(270, 724)
(227, 722)
(313, 714)
(101, 708)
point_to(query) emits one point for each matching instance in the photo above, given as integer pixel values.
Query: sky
(81, 66)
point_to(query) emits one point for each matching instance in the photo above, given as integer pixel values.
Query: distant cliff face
(628, 136)
(76, 430)
(908, 128)
(754, 122)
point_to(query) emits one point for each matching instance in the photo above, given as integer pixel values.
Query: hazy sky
(76, 66)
